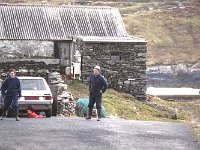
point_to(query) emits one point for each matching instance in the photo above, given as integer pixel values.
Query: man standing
(97, 86)
(11, 92)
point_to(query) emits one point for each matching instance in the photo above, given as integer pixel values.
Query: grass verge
(124, 106)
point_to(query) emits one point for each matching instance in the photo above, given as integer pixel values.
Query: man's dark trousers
(95, 98)
(11, 98)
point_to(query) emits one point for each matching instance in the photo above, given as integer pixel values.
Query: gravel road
(110, 134)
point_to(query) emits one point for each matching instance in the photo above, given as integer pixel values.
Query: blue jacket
(97, 84)
(11, 86)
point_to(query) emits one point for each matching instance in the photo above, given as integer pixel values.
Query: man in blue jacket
(11, 92)
(97, 86)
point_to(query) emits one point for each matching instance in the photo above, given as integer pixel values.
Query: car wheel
(48, 113)
(55, 107)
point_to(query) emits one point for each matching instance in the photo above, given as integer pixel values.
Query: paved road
(110, 134)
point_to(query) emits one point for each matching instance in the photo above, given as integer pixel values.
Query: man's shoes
(89, 115)
(88, 118)
(99, 119)
(99, 114)
(17, 114)
(3, 115)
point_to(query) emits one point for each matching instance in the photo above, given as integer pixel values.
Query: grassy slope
(123, 105)
(172, 35)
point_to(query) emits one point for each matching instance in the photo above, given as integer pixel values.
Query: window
(32, 84)
(115, 56)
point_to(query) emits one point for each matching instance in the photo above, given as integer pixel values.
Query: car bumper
(38, 105)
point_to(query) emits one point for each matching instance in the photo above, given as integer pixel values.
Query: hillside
(172, 28)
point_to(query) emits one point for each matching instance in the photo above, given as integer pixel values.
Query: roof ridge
(54, 5)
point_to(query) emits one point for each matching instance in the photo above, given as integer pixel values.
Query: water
(162, 91)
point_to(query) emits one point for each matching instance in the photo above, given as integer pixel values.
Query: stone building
(79, 37)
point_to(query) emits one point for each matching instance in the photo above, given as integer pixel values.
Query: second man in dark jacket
(97, 86)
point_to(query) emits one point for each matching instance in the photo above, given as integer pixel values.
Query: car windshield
(32, 84)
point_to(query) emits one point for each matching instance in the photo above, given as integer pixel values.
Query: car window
(32, 84)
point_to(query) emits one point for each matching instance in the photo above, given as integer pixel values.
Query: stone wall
(123, 65)
(40, 68)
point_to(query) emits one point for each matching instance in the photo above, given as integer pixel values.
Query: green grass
(122, 105)
(78, 89)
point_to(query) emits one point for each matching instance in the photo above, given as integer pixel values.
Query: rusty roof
(35, 22)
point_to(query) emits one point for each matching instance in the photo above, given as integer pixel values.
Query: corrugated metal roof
(24, 22)
(95, 39)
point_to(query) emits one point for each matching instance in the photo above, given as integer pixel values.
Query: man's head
(12, 73)
(96, 70)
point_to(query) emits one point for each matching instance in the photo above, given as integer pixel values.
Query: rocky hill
(172, 28)
(181, 75)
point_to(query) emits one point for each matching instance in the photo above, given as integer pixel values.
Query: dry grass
(171, 38)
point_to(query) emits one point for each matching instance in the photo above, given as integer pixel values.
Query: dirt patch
(193, 109)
